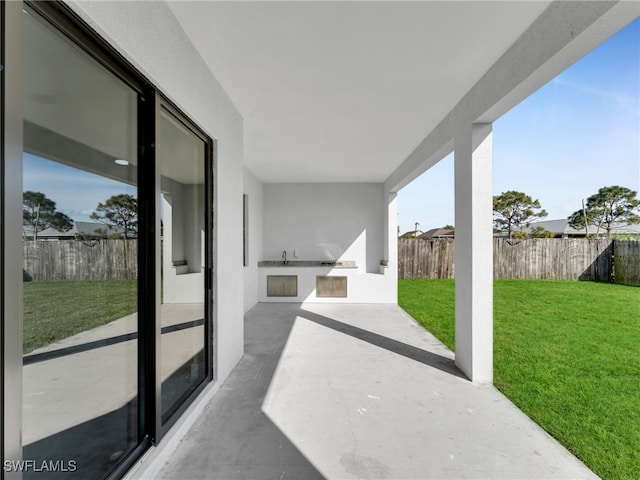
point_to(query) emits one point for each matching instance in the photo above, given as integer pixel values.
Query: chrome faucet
(284, 255)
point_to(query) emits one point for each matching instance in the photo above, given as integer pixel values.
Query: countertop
(308, 263)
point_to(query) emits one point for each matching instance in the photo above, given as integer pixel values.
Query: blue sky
(76, 192)
(576, 134)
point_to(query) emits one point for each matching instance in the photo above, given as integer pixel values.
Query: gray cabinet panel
(282, 285)
(333, 286)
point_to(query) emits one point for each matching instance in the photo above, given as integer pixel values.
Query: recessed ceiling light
(120, 161)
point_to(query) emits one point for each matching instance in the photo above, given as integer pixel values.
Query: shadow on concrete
(96, 447)
(425, 357)
(295, 407)
(93, 449)
(234, 439)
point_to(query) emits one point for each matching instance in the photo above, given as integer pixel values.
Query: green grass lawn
(567, 353)
(56, 310)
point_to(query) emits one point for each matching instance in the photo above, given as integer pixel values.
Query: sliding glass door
(181, 160)
(116, 254)
(80, 262)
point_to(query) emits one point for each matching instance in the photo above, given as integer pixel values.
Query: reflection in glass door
(80, 373)
(181, 162)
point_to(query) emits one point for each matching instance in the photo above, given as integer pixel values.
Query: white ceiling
(344, 91)
(71, 95)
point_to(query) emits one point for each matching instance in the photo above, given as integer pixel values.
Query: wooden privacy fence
(109, 259)
(557, 259)
(553, 259)
(425, 258)
(627, 261)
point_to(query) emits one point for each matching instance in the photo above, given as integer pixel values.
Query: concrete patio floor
(98, 379)
(357, 391)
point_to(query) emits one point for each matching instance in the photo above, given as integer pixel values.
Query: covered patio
(306, 119)
(355, 391)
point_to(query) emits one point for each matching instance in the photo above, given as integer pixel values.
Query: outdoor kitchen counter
(308, 263)
(302, 281)
(306, 280)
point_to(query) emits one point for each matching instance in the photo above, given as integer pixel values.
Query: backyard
(567, 353)
(56, 310)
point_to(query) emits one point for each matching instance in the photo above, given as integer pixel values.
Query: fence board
(627, 262)
(557, 259)
(109, 259)
(553, 259)
(425, 258)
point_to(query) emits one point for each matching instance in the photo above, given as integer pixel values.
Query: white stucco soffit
(370, 91)
(344, 91)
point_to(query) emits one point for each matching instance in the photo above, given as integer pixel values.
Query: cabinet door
(282, 286)
(331, 286)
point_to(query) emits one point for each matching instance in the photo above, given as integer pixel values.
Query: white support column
(474, 252)
(391, 229)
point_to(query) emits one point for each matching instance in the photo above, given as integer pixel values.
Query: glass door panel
(80, 264)
(181, 161)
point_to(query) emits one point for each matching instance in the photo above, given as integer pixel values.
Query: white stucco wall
(254, 190)
(330, 221)
(148, 35)
(326, 221)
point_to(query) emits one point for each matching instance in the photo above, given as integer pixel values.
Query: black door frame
(150, 428)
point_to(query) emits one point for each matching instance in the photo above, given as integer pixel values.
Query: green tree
(513, 210)
(120, 214)
(39, 213)
(541, 232)
(611, 205)
(519, 235)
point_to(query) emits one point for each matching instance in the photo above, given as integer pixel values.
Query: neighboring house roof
(438, 233)
(561, 227)
(412, 234)
(48, 233)
(97, 230)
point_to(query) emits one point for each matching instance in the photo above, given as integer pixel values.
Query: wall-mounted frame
(245, 230)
